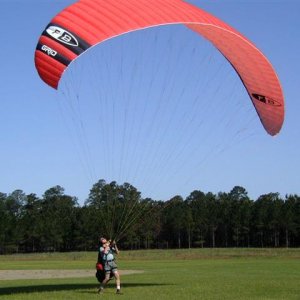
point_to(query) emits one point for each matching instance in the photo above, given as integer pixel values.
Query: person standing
(108, 250)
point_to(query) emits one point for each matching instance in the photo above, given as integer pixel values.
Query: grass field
(168, 274)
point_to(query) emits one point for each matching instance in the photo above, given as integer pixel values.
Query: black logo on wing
(266, 100)
(62, 35)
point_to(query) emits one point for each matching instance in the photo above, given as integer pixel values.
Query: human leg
(118, 281)
(104, 282)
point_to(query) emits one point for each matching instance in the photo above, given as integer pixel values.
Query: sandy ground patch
(46, 274)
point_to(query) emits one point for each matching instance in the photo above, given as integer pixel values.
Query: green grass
(169, 274)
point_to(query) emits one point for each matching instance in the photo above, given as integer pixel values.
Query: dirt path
(46, 274)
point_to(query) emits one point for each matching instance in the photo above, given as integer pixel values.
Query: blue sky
(39, 148)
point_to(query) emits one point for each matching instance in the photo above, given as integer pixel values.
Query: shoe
(101, 290)
(118, 292)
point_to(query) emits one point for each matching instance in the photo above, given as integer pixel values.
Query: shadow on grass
(66, 287)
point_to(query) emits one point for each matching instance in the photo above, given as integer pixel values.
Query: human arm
(115, 248)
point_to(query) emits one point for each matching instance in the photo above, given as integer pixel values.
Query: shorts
(110, 266)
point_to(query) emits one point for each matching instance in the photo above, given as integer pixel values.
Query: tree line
(56, 222)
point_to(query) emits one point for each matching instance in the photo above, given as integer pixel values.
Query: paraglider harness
(100, 272)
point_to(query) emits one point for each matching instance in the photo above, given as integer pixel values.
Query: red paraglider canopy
(89, 22)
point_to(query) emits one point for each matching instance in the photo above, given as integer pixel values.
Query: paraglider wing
(89, 22)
